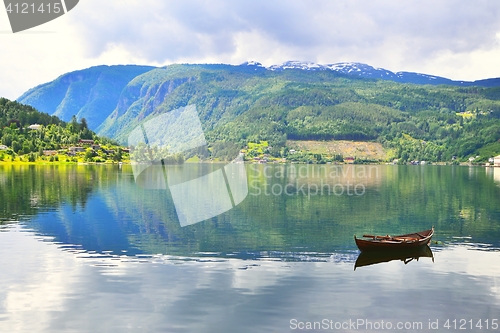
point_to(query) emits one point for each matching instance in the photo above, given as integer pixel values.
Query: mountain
(89, 93)
(94, 93)
(292, 101)
(367, 71)
(238, 104)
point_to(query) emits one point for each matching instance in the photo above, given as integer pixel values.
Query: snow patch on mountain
(367, 71)
(359, 69)
(294, 64)
(252, 63)
(350, 68)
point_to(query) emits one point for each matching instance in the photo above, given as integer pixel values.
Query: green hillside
(28, 135)
(242, 104)
(90, 93)
(238, 105)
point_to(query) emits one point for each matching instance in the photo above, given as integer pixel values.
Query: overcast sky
(451, 38)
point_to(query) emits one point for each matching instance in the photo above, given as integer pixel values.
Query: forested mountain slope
(90, 93)
(238, 104)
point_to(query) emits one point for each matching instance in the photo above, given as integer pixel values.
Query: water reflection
(102, 209)
(406, 256)
(47, 290)
(83, 249)
(496, 175)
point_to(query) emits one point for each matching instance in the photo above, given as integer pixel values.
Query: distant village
(82, 146)
(85, 150)
(262, 153)
(88, 150)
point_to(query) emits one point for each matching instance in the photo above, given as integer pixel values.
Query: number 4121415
(32, 8)
(463, 324)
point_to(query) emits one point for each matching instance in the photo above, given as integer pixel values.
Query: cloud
(158, 31)
(196, 29)
(451, 38)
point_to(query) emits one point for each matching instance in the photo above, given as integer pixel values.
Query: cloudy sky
(451, 38)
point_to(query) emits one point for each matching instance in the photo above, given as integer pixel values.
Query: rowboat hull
(401, 242)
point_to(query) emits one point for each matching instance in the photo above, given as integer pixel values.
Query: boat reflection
(406, 256)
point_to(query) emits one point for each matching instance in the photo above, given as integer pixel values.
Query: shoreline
(218, 162)
(56, 163)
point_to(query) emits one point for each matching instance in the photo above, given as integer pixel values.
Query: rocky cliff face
(91, 93)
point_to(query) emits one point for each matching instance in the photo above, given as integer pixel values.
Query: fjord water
(84, 249)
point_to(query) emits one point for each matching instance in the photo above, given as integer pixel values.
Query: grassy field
(356, 149)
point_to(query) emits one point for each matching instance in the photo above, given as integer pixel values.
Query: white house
(35, 126)
(496, 161)
(3, 147)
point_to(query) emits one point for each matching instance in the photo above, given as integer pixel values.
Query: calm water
(85, 249)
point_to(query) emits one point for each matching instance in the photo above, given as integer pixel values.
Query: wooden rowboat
(389, 243)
